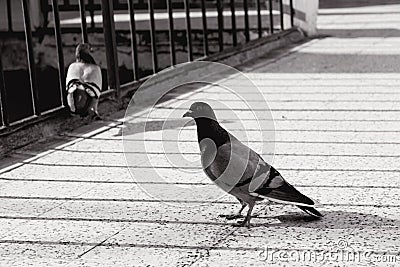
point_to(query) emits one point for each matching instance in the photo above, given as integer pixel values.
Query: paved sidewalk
(71, 201)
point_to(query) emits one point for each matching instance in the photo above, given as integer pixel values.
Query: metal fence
(225, 9)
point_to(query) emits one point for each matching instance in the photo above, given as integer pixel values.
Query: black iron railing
(209, 27)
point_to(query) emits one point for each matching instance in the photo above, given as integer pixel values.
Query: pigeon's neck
(85, 58)
(208, 128)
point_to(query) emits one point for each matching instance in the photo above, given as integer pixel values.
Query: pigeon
(84, 81)
(240, 171)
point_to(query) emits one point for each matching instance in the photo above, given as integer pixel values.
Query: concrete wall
(306, 12)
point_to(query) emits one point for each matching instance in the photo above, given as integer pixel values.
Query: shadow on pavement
(331, 220)
(357, 33)
(152, 126)
(354, 3)
(307, 62)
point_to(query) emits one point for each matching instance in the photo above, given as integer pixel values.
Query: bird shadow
(152, 126)
(331, 220)
(130, 128)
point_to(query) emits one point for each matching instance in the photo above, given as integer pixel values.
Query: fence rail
(232, 18)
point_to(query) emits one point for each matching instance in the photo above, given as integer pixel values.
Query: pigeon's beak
(188, 114)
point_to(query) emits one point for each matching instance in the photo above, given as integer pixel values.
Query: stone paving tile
(17, 207)
(97, 146)
(136, 256)
(291, 162)
(8, 225)
(301, 114)
(197, 214)
(327, 178)
(44, 189)
(82, 159)
(313, 94)
(189, 193)
(58, 232)
(284, 125)
(39, 254)
(171, 235)
(278, 136)
(52, 172)
(367, 239)
(144, 212)
(164, 192)
(274, 105)
(348, 196)
(304, 83)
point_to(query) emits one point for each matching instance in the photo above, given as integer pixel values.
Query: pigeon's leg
(244, 204)
(246, 221)
(94, 113)
(237, 215)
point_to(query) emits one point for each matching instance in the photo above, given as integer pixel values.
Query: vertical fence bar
(91, 12)
(9, 16)
(246, 20)
(31, 57)
(188, 30)
(3, 102)
(233, 22)
(134, 51)
(111, 46)
(153, 36)
(271, 17)
(171, 32)
(82, 12)
(205, 30)
(291, 13)
(220, 25)
(60, 55)
(281, 13)
(259, 23)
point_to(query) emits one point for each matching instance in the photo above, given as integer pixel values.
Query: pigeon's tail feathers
(285, 194)
(311, 211)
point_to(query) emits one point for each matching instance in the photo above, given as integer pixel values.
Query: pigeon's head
(82, 53)
(200, 110)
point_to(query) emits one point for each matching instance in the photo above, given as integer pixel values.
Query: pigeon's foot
(96, 117)
(244, 223)
(231, 216)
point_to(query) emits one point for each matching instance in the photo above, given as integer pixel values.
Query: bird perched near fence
(239, 170)
(83, 83)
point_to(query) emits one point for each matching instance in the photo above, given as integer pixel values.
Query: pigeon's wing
(277, 189)
(74, 72)
(236, 166)
(84, 72)
(92, 74)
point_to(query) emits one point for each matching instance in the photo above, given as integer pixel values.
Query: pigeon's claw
(96, 117)
(244, 223)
